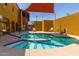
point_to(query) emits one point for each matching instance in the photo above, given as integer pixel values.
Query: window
(12, 9)
(23, 13)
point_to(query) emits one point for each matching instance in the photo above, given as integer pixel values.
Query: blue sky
(61, 9)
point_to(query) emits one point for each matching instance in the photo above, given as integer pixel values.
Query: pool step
(40, 46)
(23, 45)
(14, 44)
(52, 43)
(57, 43)
(31, 45)
(36, 45)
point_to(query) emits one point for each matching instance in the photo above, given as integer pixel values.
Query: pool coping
(77, 37)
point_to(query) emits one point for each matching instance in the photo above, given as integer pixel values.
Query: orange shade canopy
(41, 7)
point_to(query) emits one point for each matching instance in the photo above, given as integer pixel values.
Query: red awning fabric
(41, 7)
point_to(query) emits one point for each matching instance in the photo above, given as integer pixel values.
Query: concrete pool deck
(5, 51)
(71, 50)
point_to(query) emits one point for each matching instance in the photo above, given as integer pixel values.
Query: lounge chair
(64, 32)
(51, 29)
(34, 29)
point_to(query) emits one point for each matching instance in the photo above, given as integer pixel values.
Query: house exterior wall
(10, 14)
(70, 22)
(44, 25)
(47, 25)
(37, 25)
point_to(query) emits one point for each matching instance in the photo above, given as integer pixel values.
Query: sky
(61, 10)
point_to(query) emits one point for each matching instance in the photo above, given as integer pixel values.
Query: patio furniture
(51, 29)
(34, 29)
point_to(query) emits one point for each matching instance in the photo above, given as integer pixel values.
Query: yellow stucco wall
(44, 25)
(71, 22)
(9, 11)
(38, 25)
(47, 25)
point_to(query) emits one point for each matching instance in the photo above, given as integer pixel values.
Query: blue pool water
(52, 41)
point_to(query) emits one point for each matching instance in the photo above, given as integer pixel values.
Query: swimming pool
(42, 41)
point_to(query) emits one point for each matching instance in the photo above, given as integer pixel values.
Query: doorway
(13, 26)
